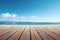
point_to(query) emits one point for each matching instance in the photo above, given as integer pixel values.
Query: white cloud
(8, 15)
(5, 15)
(22, 17)
(13, 17)
(33, 16)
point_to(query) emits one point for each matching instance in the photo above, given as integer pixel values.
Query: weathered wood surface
(30, 32)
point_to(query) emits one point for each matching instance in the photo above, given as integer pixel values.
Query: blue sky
(30, 10)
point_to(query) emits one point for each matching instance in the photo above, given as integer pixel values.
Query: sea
(28, 23)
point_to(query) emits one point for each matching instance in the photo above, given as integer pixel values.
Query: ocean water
(28, 23)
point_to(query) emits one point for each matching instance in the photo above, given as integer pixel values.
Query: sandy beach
(29, 32)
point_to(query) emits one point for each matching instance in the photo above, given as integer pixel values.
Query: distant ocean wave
(26, 23)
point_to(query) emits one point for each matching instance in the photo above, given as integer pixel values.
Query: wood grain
(30, 32)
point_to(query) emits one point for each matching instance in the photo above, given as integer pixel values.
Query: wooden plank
(38, 37)
(8, 34)
(30, 32)
(4, 29)
(33, 37)
(54, 29)
(1, 34)
(17, 34)
(53, 35)
(25, 35)
(43, 34)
